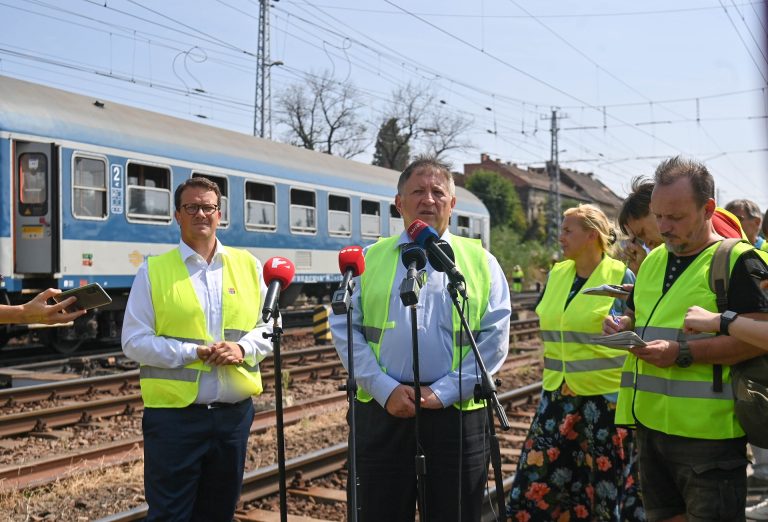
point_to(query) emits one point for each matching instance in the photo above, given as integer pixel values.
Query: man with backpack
(677, 389)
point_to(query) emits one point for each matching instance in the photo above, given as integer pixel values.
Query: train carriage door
(36, 207)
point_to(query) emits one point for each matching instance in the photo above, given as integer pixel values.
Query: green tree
(500, 197)
(392, 148)
(535, 257)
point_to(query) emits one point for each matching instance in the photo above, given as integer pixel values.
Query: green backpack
(749, 379)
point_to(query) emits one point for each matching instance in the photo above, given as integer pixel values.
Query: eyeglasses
(192, 209)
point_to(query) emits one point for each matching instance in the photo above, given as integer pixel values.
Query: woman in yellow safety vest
(576, 464)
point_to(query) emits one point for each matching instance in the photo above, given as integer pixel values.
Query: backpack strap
(719, 279)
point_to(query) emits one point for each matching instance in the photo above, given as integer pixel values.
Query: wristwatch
(684, 357)
(726, 318)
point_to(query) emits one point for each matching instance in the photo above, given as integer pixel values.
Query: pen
(615, 318)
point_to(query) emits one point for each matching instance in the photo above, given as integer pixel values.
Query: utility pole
(262, 106)
(553, 169)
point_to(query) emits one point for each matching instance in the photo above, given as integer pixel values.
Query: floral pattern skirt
(576, 464)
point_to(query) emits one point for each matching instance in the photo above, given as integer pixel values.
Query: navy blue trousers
(386, 471)
(194, 460)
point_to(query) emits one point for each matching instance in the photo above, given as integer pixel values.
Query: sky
(632, 82)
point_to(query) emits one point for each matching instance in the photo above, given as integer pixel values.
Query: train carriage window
(396, 226)
(223, 184)
(89, 188)
(477, 228)
(33, 184)
(260, 206)
(149, 193)
(370, 218)
(463, 226)
(303, 208)
(339, 216)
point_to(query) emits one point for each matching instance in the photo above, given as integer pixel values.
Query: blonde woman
(575, 462)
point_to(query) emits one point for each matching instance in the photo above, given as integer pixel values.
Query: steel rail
(263, 482)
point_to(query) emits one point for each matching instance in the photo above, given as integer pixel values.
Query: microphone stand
(276, 335)
(486, 390)
(409, 294)
(342, 300)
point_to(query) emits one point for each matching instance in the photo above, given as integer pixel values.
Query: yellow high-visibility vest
(179, 315)
(587, 368)
(674, 400)
(377, 282)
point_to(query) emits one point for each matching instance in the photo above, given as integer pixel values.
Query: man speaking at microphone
(193, 323)
(383, 361)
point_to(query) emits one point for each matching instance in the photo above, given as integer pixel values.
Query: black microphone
(414, 258)
(439, 257)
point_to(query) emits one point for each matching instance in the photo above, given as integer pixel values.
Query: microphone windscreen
(352, 258)
(421, 233)
(279, 269)
(443, 245)
(414, 253)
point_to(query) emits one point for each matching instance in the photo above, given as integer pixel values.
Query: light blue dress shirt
(435, 331)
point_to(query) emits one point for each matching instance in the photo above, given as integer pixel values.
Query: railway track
(264, 482)
(300, 365)
(31, 349)
(305, 364)
(42, 421)
(40, 472)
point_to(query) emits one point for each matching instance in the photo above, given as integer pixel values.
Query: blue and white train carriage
(88, 194)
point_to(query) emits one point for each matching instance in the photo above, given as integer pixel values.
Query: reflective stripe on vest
(587, 368)
(178, 315)
(687, 390)
(674, 400)
(378, 280)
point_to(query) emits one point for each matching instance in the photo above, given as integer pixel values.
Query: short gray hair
(749, 207)
(427, 162)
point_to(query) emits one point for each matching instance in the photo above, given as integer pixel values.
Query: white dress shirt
(435, 337)
(142, 344)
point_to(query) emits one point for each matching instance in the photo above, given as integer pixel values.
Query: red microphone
(278, 274)
(351, 264)
(352, 258)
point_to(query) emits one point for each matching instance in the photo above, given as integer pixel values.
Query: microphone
(278, 274)
(351, 264)
(414, 259)
(437, 263)
(439, 258)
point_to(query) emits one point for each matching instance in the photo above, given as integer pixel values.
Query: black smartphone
(88, 296)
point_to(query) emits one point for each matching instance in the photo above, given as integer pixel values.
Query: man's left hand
(659, 353)
(225, 352)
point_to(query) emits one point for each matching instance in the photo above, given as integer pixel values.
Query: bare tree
(445, 133)
(322, 114)
(424, 123)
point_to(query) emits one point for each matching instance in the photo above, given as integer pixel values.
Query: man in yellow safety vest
(676, 389)
(192, 321)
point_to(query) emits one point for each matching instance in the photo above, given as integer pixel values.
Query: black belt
(218, 405)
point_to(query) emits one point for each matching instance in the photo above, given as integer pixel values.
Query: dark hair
(200, 182)
(749, 207)
(637, 204)
(427, 162)
(702, 182)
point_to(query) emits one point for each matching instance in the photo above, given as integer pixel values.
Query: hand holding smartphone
(88, 296)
